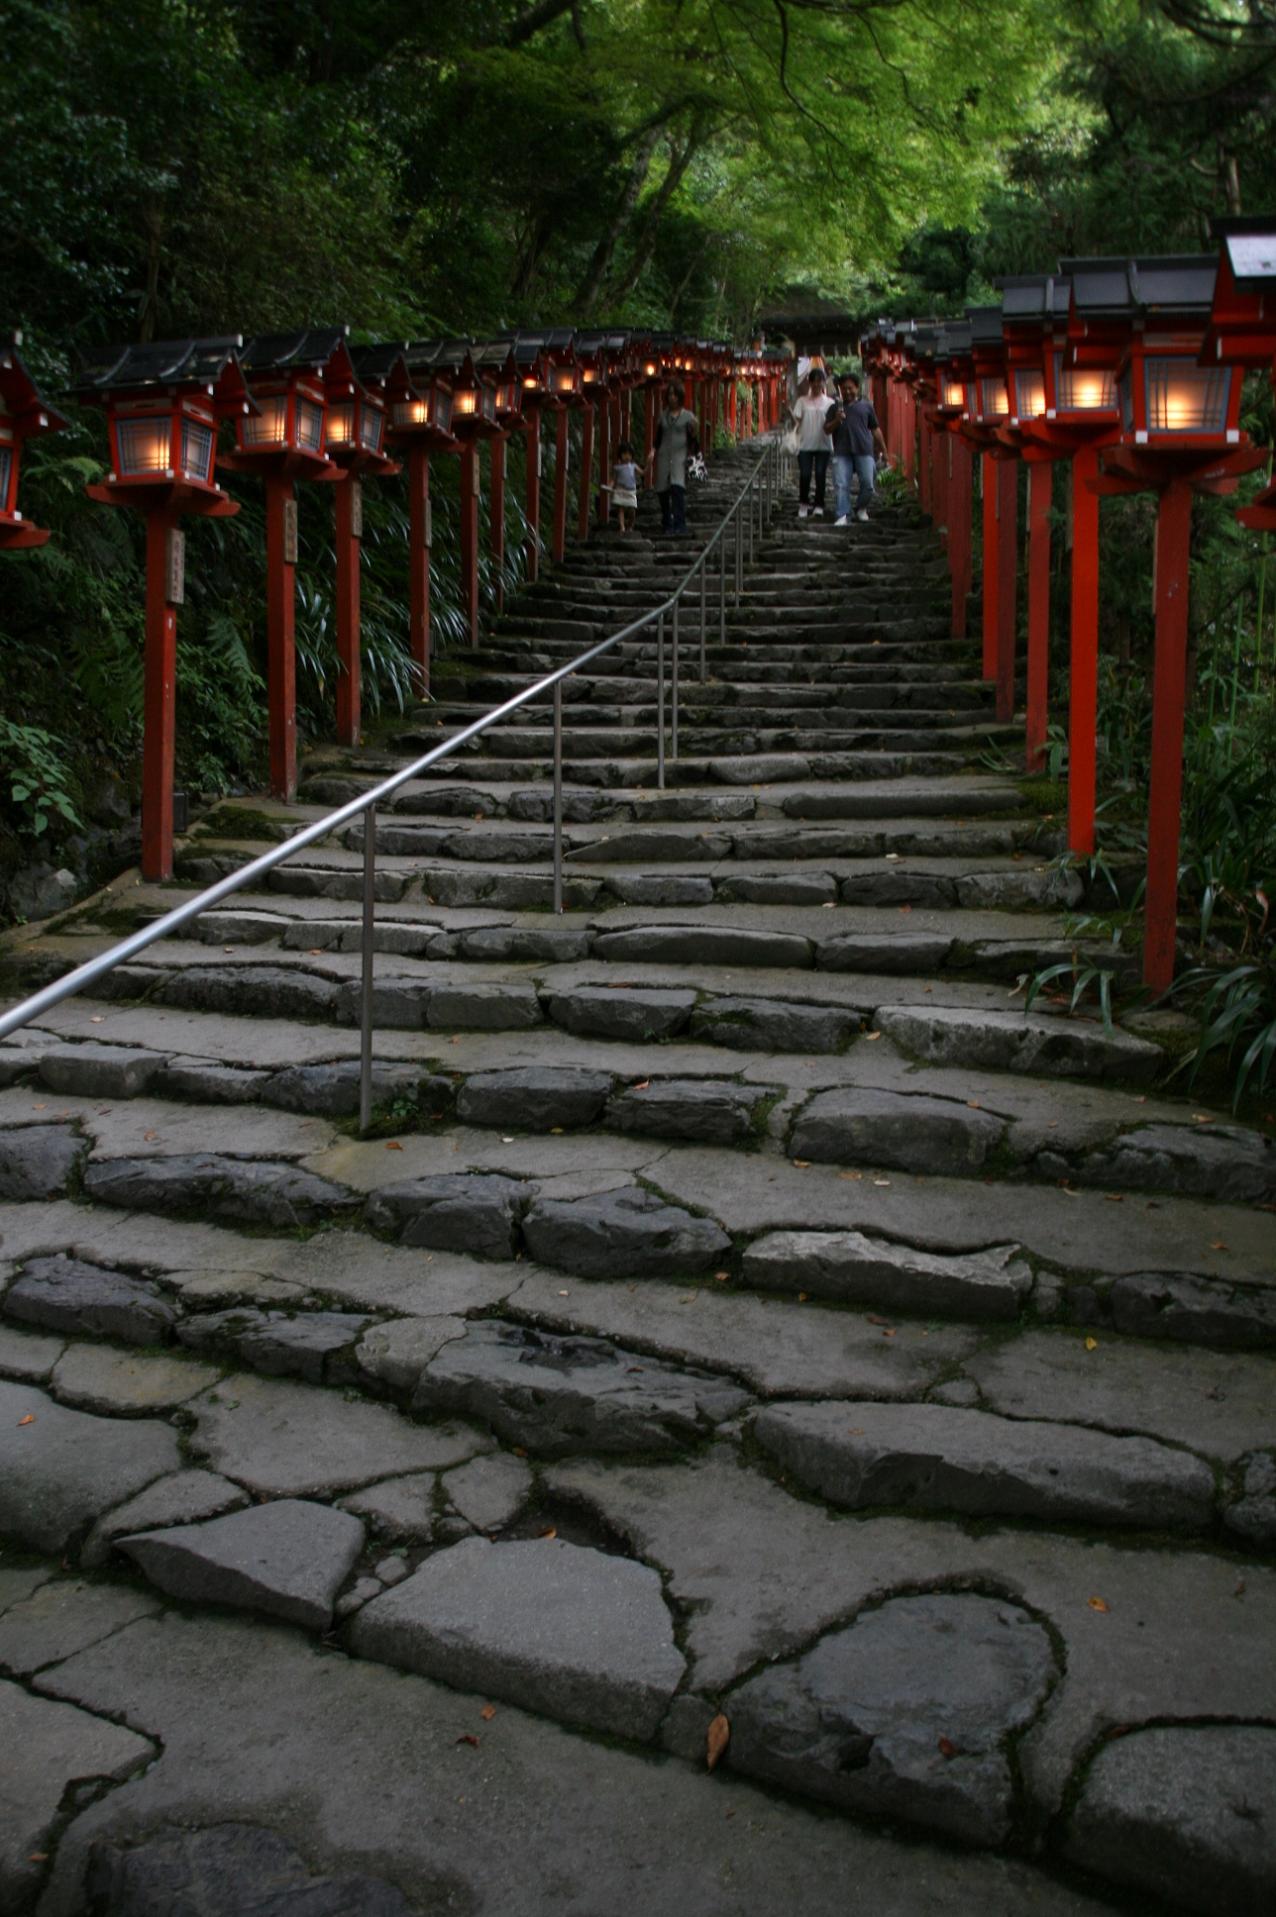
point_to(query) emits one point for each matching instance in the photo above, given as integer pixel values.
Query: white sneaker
(863, 516)
(841, 522)
(817, 512)
(803, 511)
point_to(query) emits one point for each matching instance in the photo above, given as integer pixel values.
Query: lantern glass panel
(1083, 389)
(269, 426)
(371, 427)
(341, 423)
(565, 379)
(6, 477)
(441, 409)
(994, 401)
(954, 393)
(1030, 395)
(410, 412)
(465, 403)
(1126, 398)
(1183, 398)
(145, 445)
(309, 425)
(197, 450)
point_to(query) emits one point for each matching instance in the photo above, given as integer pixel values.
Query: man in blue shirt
(857, 445)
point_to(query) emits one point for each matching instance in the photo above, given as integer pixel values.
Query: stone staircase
(744, 1323)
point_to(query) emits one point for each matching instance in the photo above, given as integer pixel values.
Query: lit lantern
(23, 415)
(496, 363)
(163, 403)
(419, 394)
(473, 420)
(990, 415)
(1180, 434)
(354, 432)
(282, 442)
(1242, 328)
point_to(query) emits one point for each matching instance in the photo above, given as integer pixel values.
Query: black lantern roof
(1170, 285)
(163, 364)
(559, 339)
(954, 339)
(375, 364)
(22, 399)
(1249, 240)
(307, 351)
(1035, 298)
(986, 327)
(590, 345)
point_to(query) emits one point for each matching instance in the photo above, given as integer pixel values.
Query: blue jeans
(843, 473)
(808, 463)
(866, 471)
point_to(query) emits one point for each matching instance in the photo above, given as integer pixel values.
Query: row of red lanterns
(1132, 370)
(308, 407)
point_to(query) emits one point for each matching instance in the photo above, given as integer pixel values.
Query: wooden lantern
(24, 414)
(163, 404)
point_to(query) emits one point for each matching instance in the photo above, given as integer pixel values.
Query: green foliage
(37, 778)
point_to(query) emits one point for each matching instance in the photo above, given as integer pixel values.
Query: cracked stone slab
(706, 1110)
(39, 1161)
(60, 1745)
(937, 1458)
(1028, 1042)
(489, 1492)
(1186, 1814)
(780, 1348)
(68, 1294)
(100, 1071)
(908, 1131)
(266, 1729)
(333, 1090)
(534, 1098)
(123, 1383)
(28, 1355)
(463, 1211)
(61, 1469)
(633, 1015)
(316, 1345)
(558, 1394)
(701, 944)
(627, 1230)
(395, 1354)
(64, 1616)
(245, 1190)
(1216, 1161)
(226, 1872)
(286, 1440)
(1219, 1403)
(773, 1025)
(904, 1713)
(287, 1559)
(401, 1509)
(185, 1498)
(551, 1626)
(1197, 1311)
(853, 1269)
(1253, 1515)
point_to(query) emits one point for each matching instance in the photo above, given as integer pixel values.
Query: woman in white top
(813, 446)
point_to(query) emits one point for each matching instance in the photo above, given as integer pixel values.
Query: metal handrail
(760, 489)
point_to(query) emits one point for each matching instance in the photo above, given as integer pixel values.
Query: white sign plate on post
(356, 507)
(290, 532)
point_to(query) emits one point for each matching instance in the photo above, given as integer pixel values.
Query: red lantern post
(564, 385)
(163, 404)
(591, 353)
(24, 415)
(473, 420)
(420, 397)
(354, 434)
(988, 409)
(283, 441)
(1180, 434)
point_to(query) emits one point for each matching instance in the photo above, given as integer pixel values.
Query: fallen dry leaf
(1217, 1244)
(393, 1145)
(487, 1713)
(716, 1741)
(551, 1531)
(150, 1137)
(870, 1036)
(947, 1748)
(722, 1277)
(641, 1085)
(1097, 1604)
(873, 1319)
(468, 1737)
(881, 1181)
(1092, 1344)
(852, 1178)
(803, 1296)
(974, 1105)
(802, 1164)
(1203, 1118)
(315, 951)
(29, 1418)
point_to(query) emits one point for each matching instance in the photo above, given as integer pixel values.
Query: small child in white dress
(624, 486)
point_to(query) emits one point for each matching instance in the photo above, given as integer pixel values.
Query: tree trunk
(591, 284)
(680, 159)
